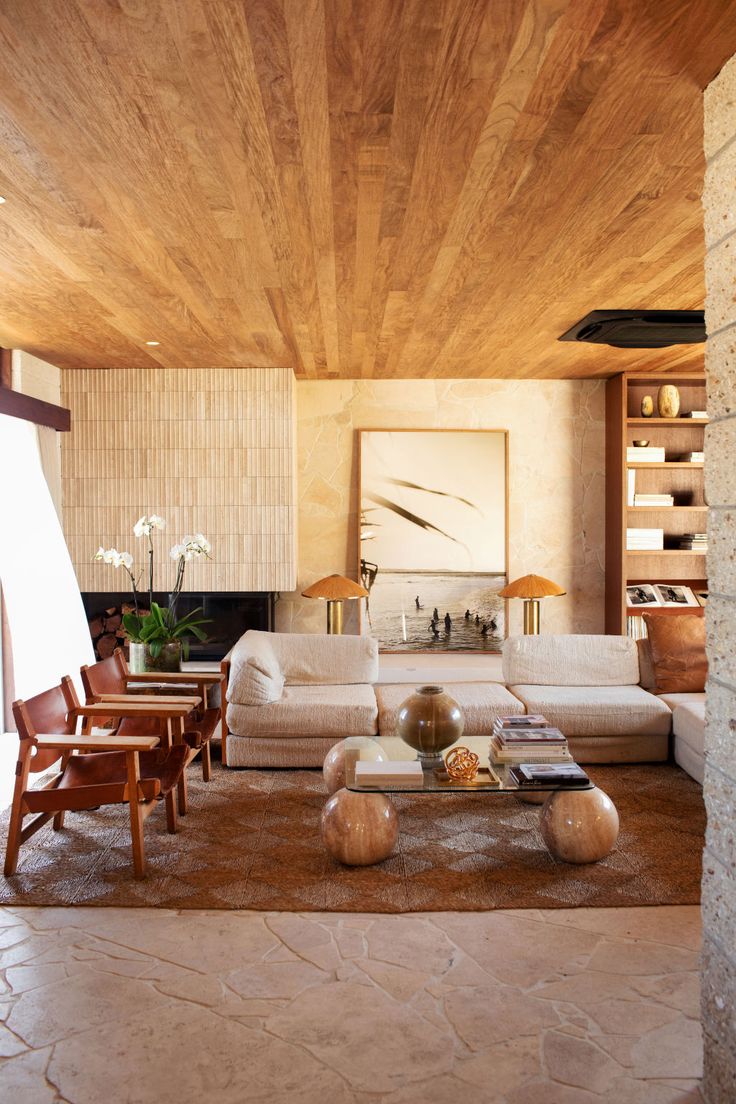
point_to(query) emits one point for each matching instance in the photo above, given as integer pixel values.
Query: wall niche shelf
(683, 479)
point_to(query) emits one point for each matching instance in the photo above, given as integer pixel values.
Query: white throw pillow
(257, 682)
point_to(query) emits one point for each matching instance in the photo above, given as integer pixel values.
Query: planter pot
(430, 721)
(141, 660)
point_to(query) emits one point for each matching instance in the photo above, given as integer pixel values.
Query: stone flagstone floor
(580, 1006)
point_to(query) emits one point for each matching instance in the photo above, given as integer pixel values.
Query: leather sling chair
(95, 769)
(109, 680)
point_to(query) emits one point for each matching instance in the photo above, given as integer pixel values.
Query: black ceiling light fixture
(639, 329)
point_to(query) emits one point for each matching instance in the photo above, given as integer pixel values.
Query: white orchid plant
(160, 626)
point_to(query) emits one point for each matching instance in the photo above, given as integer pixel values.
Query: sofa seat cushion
(688, 724)
(481, 703)
(673, 700)
(598, 710)
(309, 711)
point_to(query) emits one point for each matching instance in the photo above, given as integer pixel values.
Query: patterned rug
(252, 840)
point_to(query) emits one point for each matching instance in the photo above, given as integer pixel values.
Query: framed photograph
(673, 594)
(434, 538)
(643, 595)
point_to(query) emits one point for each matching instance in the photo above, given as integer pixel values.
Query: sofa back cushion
(677, 648)
(307, 658)
(255, 674)
(262, 662)
(570, 661)
(646, 668)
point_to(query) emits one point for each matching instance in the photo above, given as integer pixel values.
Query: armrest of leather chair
(52, 742)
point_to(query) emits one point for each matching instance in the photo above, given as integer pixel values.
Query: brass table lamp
(335, 590)
(531, 588)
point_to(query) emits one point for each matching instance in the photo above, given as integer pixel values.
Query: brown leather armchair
(99, 769)
(109, 680)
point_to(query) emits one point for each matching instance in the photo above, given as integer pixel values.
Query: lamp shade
(334, 589)
(531, 586)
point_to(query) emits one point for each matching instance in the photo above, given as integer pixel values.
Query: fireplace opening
(230, 614)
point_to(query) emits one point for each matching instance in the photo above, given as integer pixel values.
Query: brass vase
(430, 721)
(668, 401)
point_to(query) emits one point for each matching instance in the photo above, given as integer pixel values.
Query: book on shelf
(696, 414)
(653, 500)
(652, 454)
(525, 720)
(675, 595)
(636, 628)
(546, 774)
(631, 487)
(645, 540)
(693, 457)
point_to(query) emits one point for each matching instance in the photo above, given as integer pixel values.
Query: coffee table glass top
(394, 748)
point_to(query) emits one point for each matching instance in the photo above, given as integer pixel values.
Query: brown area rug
(252, 840)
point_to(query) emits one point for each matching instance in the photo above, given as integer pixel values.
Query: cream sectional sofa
(589, 687)
(291, 696)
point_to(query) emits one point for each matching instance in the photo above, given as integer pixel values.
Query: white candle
(403, 625)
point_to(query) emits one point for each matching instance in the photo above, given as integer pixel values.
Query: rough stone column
(719, 875)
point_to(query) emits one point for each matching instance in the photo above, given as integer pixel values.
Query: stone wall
(556, 481)
(719, 873)
(211, 450)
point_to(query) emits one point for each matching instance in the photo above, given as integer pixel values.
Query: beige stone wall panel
(556, 480)
(211, 450)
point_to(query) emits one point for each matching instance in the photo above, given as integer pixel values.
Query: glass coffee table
(360, 824)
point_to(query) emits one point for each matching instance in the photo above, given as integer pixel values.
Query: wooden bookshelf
(681, 478)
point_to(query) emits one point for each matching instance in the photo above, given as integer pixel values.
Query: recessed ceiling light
(152, 343)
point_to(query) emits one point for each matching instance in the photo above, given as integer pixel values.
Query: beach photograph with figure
(433, 538)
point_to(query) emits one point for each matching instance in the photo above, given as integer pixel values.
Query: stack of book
(652, 454)
(644, 540)
(693, 542)
(522, 743)
(392, 774)
(549, 774)
(694, 457)
(654, 500)
(703, 414)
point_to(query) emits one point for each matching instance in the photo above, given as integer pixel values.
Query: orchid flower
(147, 523)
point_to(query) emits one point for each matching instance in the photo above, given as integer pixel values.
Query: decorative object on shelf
(157, 638)
(335, 589)
(647, 406)
(430, 721)
(433, 543)
(341, 759)
(668, 401)
(462, 764)
(641, 444)
(531, 588)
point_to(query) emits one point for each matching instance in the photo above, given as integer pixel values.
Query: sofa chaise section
(291, 696)
(588, 686)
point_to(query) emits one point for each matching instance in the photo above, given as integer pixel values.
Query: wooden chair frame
(202, 681)
(39, 751)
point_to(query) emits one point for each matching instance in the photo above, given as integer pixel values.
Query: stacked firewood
(107, 632)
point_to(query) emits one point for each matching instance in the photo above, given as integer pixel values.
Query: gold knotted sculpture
(462, 764)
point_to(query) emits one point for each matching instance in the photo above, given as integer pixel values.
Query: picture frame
(433, 538)
(642, 596)
(673, 595)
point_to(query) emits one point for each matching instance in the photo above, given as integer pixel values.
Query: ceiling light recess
(639, 329)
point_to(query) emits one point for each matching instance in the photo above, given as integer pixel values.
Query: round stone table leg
(528, 798)
(359, 829)
(343, 756)
(579, 826)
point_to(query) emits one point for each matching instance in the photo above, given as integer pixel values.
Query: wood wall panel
(210, 450)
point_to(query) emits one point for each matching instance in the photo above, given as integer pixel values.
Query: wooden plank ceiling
(355, 188)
